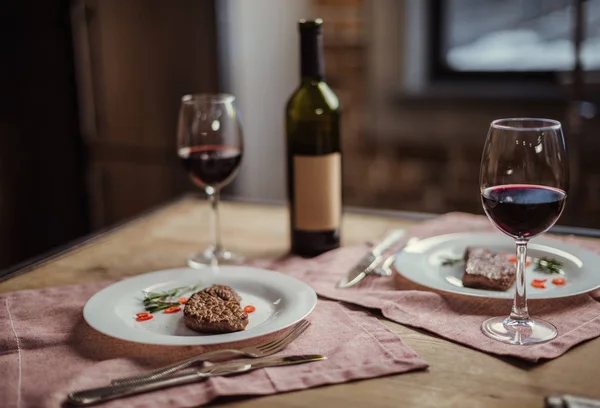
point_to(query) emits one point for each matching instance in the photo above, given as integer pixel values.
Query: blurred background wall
(260, 66)
(91, 91)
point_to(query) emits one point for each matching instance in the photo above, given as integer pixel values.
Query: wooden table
(458, 376)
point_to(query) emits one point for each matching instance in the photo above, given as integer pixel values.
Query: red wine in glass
(209, 165)
(524, 179)
(210, 145)
(523, 210)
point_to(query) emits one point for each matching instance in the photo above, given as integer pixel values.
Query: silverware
(570, 401)
(384, 268)
(261, 350)
(101, 394)
(369, 262)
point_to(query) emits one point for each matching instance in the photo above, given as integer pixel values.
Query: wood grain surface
(457, 377)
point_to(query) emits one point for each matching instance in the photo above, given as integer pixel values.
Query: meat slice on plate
(216, 309)
(224, 292)
(485, 269)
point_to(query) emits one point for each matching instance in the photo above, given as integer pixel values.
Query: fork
(261, 350)
(385, 268)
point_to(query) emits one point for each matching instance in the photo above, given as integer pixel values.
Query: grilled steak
(215, 309)
(485, 269)
(223, 291)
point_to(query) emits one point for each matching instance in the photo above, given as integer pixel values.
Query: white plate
(280, 301)
(421, 263)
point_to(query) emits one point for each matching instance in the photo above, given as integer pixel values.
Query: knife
(190, 375)
(369, 262)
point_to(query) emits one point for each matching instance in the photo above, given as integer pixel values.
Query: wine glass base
(211, 257)
(530, 331)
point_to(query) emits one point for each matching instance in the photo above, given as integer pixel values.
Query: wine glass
(524, 181)
(210, 145)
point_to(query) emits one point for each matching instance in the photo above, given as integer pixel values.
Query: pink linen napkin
(47, 350)
(454, 317)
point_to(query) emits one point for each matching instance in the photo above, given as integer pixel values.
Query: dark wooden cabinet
(42, 170)
(135, 61)
(89, 97)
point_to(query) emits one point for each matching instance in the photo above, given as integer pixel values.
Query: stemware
(210, 145)
(524, 181)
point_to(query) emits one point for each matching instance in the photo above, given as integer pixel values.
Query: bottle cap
(310, 25)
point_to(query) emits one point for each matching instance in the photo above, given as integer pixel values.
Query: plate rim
(153, 338)
(547, 241)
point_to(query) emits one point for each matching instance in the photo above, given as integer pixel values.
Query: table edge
(61, 250)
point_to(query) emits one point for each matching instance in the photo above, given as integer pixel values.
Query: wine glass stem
(519, 309)
(213, 198)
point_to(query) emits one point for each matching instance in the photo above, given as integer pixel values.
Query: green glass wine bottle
(314, 157)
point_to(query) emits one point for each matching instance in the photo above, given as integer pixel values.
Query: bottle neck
(312, 67)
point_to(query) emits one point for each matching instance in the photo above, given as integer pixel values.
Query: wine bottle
(314, 157)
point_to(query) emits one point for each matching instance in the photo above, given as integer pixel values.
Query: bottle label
(317, 192)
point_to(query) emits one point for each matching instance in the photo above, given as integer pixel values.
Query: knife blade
(369, 262)
(190, 375)
(255, 363)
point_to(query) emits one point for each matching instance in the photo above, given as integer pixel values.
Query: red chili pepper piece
(142, 314)
(559, 281)
(143, 318)
(513, 259)
(249, 309)
(539, 285)
(172, 309)
(540, 280)
(183, 300)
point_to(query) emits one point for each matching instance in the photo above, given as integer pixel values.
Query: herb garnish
(156, 301)
(544, 265)
(548, 265)
(451, 261)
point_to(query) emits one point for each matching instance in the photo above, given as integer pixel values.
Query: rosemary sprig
(548, 265)
(451, 261)
(156, 301)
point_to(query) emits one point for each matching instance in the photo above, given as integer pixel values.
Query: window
(522, 37)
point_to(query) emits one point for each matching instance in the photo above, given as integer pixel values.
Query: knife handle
(570, 401)
(172, 368)
(389, 241)
(101, 394)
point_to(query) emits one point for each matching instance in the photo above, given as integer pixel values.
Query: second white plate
(421, 262)
(280, 301)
